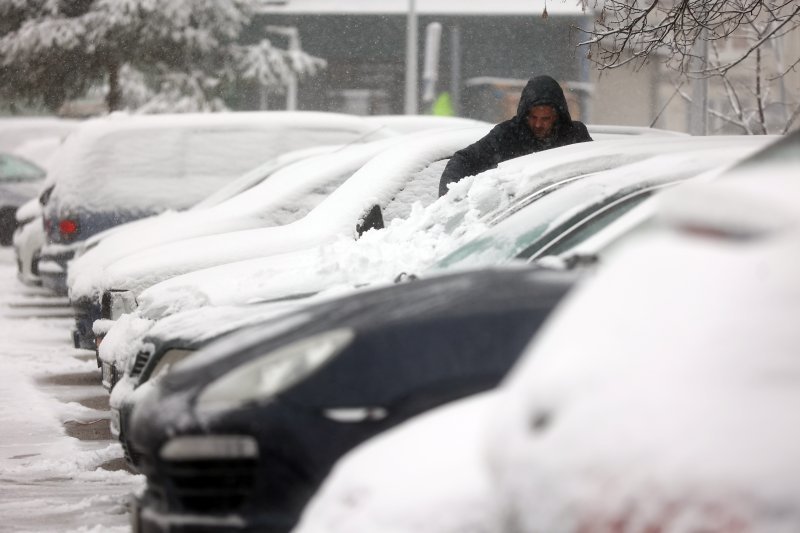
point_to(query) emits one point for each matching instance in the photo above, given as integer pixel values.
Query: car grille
(219, 485)
(139, 363)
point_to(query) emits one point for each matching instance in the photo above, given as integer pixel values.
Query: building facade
(487, 50)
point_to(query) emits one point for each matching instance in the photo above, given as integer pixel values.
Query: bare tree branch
(631, 33)
(792, 118)
(755, 46)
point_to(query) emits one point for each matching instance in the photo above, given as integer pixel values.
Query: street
(60, 470)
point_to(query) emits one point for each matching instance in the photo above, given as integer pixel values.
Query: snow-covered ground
(49, 480)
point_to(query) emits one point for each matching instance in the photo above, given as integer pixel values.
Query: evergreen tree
(152, 53)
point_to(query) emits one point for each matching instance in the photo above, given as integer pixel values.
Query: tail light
(68, 228)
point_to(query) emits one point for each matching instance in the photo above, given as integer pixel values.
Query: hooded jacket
(513, 138)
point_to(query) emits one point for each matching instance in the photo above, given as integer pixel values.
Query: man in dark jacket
(542, 122)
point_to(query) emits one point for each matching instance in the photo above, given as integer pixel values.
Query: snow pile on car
(676, 406)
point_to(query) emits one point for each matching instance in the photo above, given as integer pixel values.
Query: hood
(543, 90)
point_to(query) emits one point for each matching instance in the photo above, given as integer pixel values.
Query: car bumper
(53, 275)
(53, 269)
(146, 518)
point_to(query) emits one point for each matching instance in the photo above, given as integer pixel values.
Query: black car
(239, 436)
(170, 341)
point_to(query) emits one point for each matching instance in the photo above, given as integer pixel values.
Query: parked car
(120, 168)
(277, 192)
(20, 181)
(284, 200)
(687, 421)
(431, 474)
(250, 412)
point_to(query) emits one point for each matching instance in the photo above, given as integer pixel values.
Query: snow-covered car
(675, 408)
(291, 210)
(277, 192)
(615, 130)
(431, 474)
(251, 411)
(122, 167)
(28, 241)
(20, 180)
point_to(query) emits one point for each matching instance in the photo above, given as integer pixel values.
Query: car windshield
(533, 221)
(14, 168)
(519, 231)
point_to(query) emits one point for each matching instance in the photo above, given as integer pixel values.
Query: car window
(17, 169)
(422, 187)
(303, 200)
(524, 226)
(261, 173)
(588, 227)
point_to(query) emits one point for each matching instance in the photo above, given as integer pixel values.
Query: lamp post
(411, 59)
(293, 35)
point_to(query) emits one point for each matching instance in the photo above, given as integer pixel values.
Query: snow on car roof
(412, 123)
(138, 161)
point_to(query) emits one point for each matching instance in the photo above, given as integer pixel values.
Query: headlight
(274, 372)
(170, 358)
(114, 304)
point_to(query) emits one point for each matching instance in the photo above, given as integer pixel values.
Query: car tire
(8, 223)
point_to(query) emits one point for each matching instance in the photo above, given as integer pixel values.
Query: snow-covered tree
(151, 54)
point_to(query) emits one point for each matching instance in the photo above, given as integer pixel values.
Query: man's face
(541, 120)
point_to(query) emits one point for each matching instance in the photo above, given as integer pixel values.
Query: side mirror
(45, 195)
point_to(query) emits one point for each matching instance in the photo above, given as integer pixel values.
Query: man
(542, 122)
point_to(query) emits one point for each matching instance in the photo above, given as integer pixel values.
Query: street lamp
(411, 59)
(291, 33)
